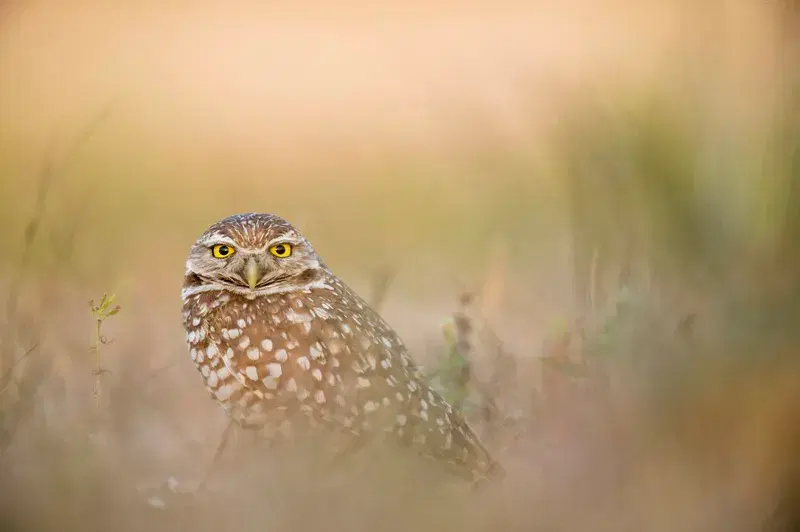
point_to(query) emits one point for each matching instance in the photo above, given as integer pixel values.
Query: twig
(223, 444)
(7, 375)
(101, 313)
(380, 287)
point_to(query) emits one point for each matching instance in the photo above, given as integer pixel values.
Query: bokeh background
(594, 204)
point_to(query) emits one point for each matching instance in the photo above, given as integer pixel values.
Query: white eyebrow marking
(218, 239)
(284, 239)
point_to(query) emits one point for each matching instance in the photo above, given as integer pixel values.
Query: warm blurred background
(598, 199)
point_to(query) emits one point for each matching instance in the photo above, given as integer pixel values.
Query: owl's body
(284, 343)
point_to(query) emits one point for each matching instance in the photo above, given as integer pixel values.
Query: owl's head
(251, 254)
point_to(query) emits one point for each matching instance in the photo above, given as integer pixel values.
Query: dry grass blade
(8, 376)
(381, 282)
(12, 415)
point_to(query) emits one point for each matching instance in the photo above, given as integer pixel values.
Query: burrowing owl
(273, 331)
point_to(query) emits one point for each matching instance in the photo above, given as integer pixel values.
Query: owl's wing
(389, 393)
(424, 420)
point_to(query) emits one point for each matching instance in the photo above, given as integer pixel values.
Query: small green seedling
(101, 312)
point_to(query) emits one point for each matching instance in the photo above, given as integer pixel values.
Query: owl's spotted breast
(323, 353)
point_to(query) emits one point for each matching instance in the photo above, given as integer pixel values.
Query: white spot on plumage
(281, 355)
(401, 419)
(370, 406)
(304, 363)
(224, 392)
(212, 380)
(317, 374)
(252, 373)
(234, 333)
(266, 344)
(319, 396)
(223, 372)
(315, 350)
(291, 385)
(275, 369)
(253, 353)
(205, 371)
(270, 382)
(195, 321)
(362, 383)
(244, 342)
(241, 323)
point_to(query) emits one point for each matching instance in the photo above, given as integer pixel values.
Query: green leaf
(106, 302)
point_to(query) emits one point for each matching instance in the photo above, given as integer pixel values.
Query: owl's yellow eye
(222, 251)
(281, 250)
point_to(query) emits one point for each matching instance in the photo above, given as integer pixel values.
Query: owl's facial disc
(252, 254)
(282, 264)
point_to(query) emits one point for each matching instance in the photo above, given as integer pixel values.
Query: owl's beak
(252, 273)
